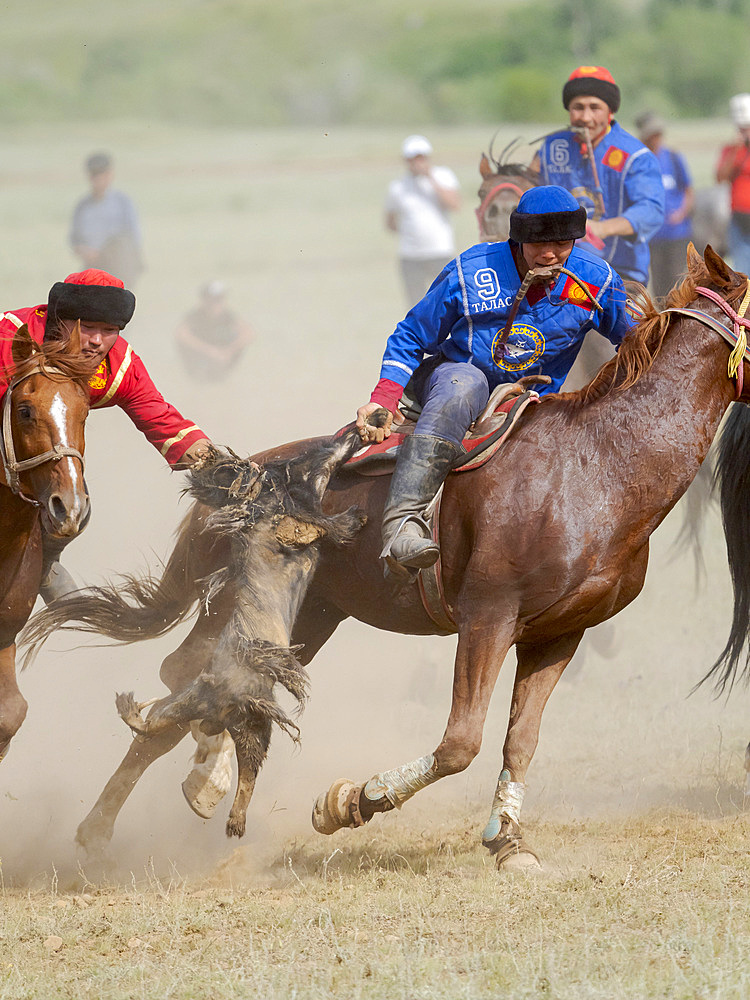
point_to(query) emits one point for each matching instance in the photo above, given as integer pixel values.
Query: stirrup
(402, 567)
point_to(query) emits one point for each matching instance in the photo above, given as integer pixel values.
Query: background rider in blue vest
(613, 175)
(497, 312)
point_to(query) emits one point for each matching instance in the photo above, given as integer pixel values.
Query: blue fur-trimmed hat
(547, 214)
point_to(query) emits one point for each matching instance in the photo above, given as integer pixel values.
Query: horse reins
(736, 336)
(11, 467)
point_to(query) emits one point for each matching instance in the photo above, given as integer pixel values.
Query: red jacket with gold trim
(120, 380)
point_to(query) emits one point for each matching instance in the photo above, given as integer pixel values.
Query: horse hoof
(523, 861)
(512, 853)
(331, 810)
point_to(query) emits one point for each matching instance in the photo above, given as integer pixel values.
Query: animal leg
(539, 668)
(13, 705)
(480, 655)
(251, 747)
(211, 775)
(177, 670)
(95, 832)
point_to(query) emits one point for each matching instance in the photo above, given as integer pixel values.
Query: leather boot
(423, 463)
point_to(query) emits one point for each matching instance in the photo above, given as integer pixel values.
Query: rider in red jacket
(103, 306)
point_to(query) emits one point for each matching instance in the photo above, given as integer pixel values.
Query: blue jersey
(676, 180)
(631, 186)
(463, 314)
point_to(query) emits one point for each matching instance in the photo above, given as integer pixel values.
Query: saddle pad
(379, 459)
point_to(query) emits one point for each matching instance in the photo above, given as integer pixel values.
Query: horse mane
(55, 354)
(516, 170)
(643, 343)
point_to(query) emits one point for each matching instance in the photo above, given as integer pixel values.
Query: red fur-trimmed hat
(91, 295)
(592, 81)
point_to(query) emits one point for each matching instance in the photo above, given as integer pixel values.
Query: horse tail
(128, 609)
(732, 477)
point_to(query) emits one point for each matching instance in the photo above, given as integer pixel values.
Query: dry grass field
(635, 798)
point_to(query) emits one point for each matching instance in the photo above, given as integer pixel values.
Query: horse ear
(23, 346)
(484, 167)
(721, 273)
(74, 340)
(694, 259)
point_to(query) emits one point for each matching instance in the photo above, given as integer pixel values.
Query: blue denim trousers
(452, 397)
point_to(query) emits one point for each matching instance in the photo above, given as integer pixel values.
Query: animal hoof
(524, 860)
(331, 810)
(512, 853)
(236, 827)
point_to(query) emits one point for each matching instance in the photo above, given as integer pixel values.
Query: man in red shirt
(734, 167)
(103, 306)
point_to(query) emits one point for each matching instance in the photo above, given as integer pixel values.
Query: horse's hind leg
(178, 670)
(480, 655)
(540, 666)
(95, 832)
(13, 705)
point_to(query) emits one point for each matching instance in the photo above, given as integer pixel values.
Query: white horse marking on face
(59, 413)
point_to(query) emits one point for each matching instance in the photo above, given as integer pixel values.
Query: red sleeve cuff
(387, 394)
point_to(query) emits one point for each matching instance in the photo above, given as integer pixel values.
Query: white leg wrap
(402, 782)
(506, 805)
(211, 776)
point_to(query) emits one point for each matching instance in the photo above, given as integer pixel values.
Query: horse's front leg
(13, 705)
(481, 651)
(540, 666)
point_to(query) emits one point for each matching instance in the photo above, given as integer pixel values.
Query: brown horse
(41, 486)
(498, 194)
(538, 545)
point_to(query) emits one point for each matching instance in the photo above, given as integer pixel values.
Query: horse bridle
(11, 467)
(503, 186)
(736, 336)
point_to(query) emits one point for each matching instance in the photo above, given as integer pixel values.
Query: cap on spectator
(739, 109)
(649, 124)
(98, 163)
(415, 145)
(592, 81)
(213, 289)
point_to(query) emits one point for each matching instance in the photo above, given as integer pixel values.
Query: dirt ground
(292, 221)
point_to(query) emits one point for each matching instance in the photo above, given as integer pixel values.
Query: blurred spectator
(734, 167)
(417, 207)
(669, 245)
(105, 232)
(212, 338)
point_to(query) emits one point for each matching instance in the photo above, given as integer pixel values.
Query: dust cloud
(292, 222)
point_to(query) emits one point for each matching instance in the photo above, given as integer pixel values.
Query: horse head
(44, 413)
(502, 186)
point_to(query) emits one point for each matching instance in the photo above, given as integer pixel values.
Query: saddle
(491, 428)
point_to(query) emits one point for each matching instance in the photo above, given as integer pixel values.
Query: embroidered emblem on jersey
(615, 158)
(573, 292)
(99, 379)
(525, 346)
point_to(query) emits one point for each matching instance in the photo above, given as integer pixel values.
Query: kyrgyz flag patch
(573, 292)
(615, 158)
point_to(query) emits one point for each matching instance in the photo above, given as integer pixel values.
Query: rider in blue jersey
(497, 312)
(613, 175)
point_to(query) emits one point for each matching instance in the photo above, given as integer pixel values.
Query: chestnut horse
(538, 545)
(44, 410)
